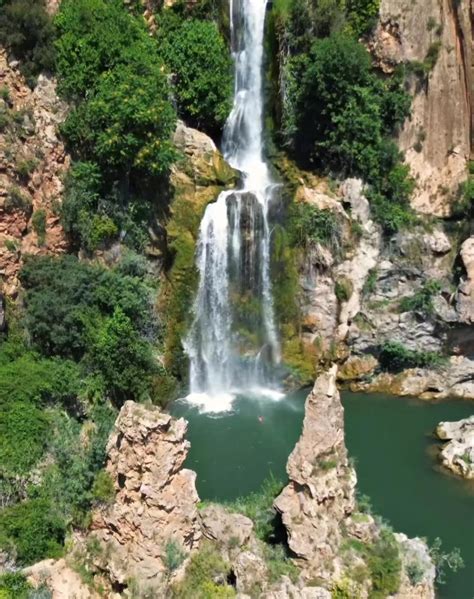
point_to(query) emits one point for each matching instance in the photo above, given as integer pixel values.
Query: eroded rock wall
(433, 36)
(33, 161)
(155, 502)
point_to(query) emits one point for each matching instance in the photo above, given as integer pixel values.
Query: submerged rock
(458, 453)
(156, 499)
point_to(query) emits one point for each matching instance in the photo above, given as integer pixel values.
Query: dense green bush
(339, 115)
(395, 357)
(27, 30)
(66, 300)
(119, 130)
(259, 508)
(95, 36)
(33, 529)
(383, 560)
(127, 123)
(308, 225)
(14, 585)
(198, 56)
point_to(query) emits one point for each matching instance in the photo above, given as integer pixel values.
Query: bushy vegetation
(197, 55)
(205, 568)
(120, 128)
(422, 300)
(395, 357)
(259, 508)
(309, 225)
(95, 316)
(14, 585)
(26, 29)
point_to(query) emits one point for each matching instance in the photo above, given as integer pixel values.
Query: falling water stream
(233, 342)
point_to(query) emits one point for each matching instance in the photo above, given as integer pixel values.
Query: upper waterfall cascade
(233, 342)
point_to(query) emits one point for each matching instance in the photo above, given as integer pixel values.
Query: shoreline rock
(458, 453)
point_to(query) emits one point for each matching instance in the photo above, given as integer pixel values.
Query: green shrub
(38, 222)
(27, 30)
(371, 282)
(422, 300)
(362, 15)
(205, 566)
(197, 55)
(174, 555)
(94, 37)
(343, 289)
(308, 225)
(395, 357)
(124, 130)
(65, 299)
(103, 489)
(338, 116)
(383, 560)
(24, 167)
(259, 508)
(34, 530)
(14, 585)
(18, 200)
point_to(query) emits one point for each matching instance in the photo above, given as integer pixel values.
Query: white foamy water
(233, 252)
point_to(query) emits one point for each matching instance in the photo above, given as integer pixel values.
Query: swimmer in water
(260, 418)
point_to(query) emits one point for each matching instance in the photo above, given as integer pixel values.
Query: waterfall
(233, 342)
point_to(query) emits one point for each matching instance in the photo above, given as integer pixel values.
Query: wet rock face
(156, 498)
(320, 494)
(458, 453)
(436, 35)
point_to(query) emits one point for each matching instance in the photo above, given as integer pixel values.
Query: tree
(197, 55)
(27, 30)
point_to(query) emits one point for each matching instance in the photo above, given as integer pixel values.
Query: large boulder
(458, 453)
(155, 504)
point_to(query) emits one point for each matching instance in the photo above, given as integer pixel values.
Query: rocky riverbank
(153, 537)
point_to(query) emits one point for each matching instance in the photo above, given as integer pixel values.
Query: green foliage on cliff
(33, 529)
(422, 300)
(14, 585)
(26, 29)
(120, 127)
(309, 224)
(395, 357)
(339, 116)
(197, 55)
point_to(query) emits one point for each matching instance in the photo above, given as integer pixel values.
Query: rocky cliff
(33, 162)
(433, 40)
(155, 503)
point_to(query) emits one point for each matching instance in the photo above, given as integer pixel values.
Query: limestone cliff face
(156, 498)
(436, 139)
(32, 164)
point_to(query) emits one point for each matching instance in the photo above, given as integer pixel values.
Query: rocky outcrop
(156, 498)
(465, 291)
(32, 164)
(61, 580)
(454, 380)
(320, 494)
(458, 453)
(434, 40)
(319, 511)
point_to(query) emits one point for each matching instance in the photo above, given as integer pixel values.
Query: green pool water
(389, 437)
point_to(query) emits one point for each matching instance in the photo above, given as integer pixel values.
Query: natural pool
(390, 438)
